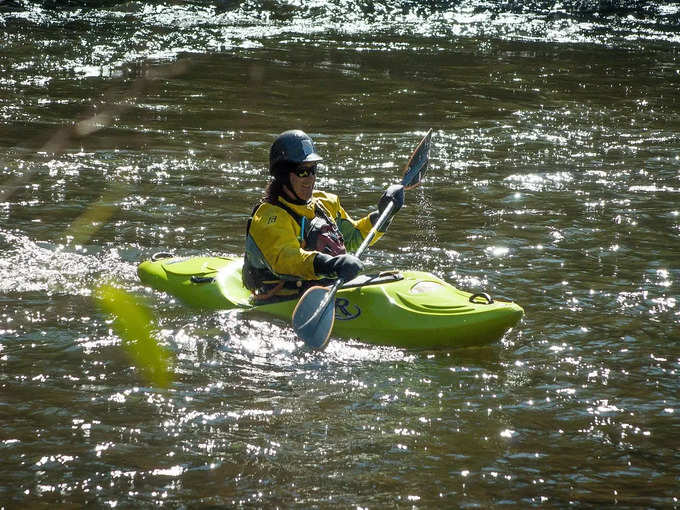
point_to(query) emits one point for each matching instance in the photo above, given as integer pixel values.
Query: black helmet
(290, 149)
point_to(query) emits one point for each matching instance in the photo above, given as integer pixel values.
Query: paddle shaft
(378, 224)
(338, 283)
(413, 174)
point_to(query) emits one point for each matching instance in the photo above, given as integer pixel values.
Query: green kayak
(409, 309)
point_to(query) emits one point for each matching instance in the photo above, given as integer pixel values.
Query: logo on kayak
(345, 311)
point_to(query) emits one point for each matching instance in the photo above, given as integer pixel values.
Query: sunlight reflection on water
(554, 182)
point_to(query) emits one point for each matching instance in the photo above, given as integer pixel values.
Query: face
(303, 186)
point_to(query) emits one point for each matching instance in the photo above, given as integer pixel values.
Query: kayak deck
(410, 309)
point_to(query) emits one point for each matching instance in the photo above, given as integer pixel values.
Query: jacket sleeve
(276, 235)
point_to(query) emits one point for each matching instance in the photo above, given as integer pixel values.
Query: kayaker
(296, 235)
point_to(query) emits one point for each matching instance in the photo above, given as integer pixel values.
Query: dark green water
(555, 182)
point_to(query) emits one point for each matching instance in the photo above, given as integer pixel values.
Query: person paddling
(298, 236)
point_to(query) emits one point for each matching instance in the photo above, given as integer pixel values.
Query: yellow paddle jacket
(274, 241)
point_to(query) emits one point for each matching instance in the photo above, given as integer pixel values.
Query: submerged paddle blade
(417, 163)
(317, 331)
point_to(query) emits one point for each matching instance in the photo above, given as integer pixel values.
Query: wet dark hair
(281, 169)
(273, 191)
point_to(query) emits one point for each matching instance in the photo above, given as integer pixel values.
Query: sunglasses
(304, 171)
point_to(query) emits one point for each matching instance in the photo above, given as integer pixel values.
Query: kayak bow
(410, 309)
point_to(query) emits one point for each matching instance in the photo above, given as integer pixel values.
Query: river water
(555, 182)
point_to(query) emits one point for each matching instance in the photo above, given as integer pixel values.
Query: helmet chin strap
(288, 189)
(297, 199)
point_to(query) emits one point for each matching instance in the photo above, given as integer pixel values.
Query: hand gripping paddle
(314, 314)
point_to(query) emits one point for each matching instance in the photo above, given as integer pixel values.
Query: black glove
(394, 193)
(345, 266)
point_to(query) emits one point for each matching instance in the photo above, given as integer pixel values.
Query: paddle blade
(317, 331)
(417, 163)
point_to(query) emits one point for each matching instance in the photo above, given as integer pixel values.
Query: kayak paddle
(314, 314)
